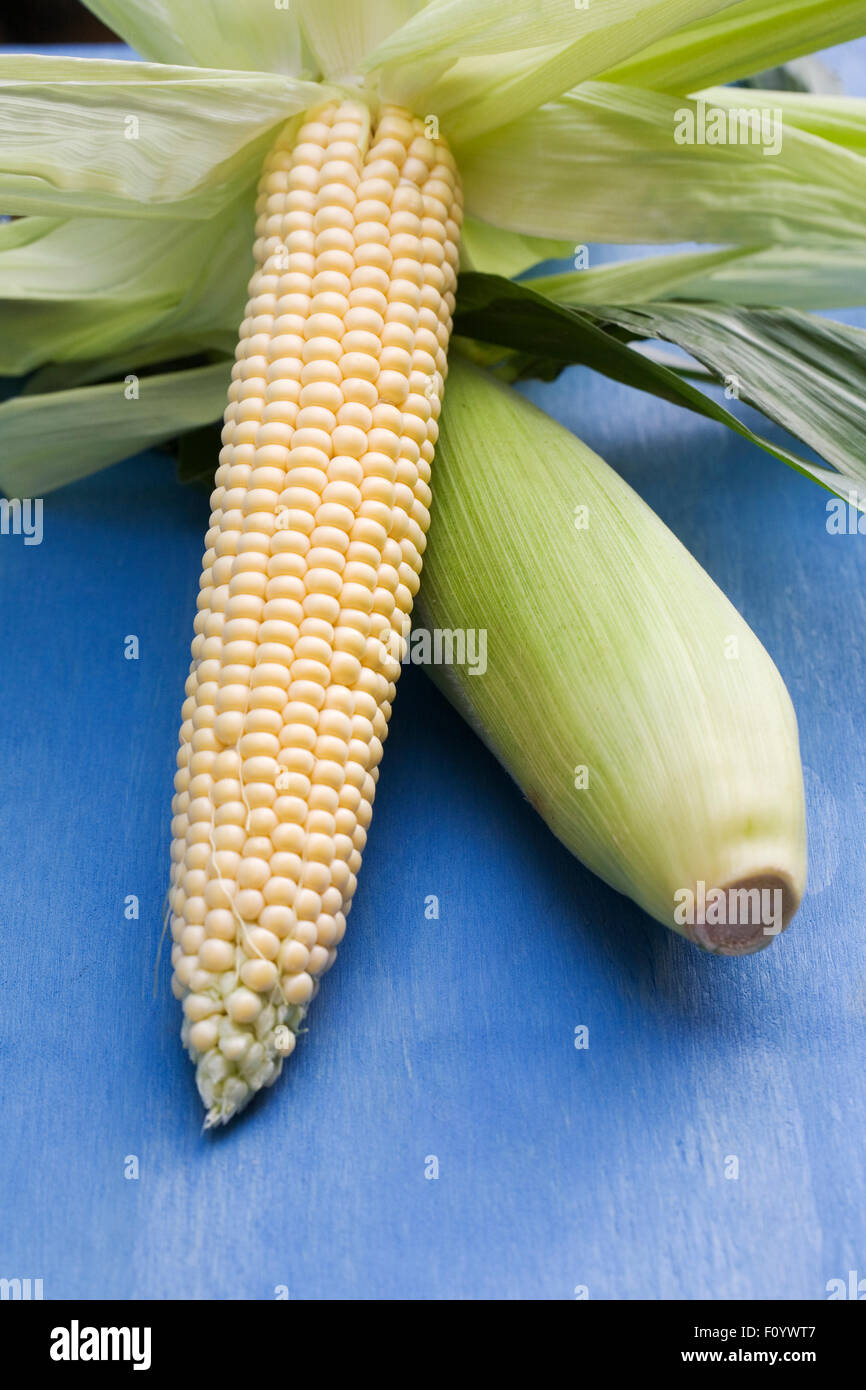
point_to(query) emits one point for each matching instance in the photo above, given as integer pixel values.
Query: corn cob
(623, 692)
(318, 526)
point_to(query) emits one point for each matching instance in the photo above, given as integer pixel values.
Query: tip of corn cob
(243, 1060)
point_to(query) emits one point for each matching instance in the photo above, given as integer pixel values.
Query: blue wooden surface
(557, 1167)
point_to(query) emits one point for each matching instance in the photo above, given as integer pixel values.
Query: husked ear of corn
(320, 512)
(624, 693)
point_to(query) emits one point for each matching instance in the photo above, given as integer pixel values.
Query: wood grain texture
(453, 1038)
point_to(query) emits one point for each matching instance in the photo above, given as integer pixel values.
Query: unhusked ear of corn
(628, 698)
(320, 512)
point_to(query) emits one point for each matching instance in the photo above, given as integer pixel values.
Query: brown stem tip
(745, 915)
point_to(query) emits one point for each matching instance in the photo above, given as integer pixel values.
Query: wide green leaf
(807, 374)
(829, 413)
(604, 164)
(88, 135)
(50, 440)
(753, 35)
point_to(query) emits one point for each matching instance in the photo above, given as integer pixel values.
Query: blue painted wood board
(454, 1038)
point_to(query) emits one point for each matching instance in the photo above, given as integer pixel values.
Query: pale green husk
(609, 649)
(140, 176)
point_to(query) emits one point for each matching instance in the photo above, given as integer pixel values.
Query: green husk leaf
(603, 164)
(502, 58)
(87, 287)
(452, 29)
(633, 281)
(489, 249)
(94, 136)
(547, 336)
(98, 371)
(741, 41)
(838, 120)
(800, 75)
(833, 277)
(342, 32)
(611, 660)
(214, 33)
(50, 440)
